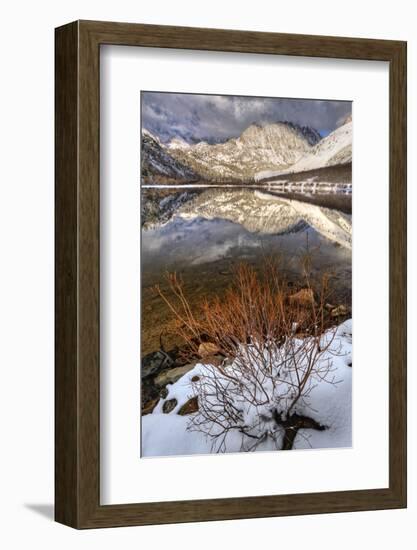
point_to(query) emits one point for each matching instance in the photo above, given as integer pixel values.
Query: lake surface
(203, 235)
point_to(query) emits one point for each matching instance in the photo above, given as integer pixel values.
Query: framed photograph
(230, 274)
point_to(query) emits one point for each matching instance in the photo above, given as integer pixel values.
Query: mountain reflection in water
(203, 236)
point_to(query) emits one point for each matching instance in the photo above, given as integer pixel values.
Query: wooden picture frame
(77, 382)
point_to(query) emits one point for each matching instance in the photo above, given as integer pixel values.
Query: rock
(195, 378)
(339, 311)
(214, 360)
(169, 405)
(207, 348)
(149, 406)
(303, 297)
(164, 393)
(148, 391)
(154, 362)
(172, 375)
(190, 407)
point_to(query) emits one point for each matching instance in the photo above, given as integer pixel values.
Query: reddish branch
(270, 337)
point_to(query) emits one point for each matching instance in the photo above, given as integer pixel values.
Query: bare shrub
(273, 340)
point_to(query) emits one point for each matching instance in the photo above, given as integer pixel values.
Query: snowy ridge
(261, 151)
(259, 147)
(177, 143)
(156, 161)
(334, 149)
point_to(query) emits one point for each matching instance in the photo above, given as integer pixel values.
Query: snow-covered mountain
(261, 151)
(336, 148)
(259, 147)
(156, 160)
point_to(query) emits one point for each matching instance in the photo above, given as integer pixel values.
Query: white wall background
(26, 271)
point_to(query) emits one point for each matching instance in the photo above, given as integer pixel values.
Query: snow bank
(329, 403)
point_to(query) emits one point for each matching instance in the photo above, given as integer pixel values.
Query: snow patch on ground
(329, 403)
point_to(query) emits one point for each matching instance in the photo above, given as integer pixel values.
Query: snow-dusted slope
(265, 213)
(259, 147)
(334, 149)
(156, 161)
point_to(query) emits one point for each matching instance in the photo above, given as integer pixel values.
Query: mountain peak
(311, 135)
(177, 143)
(149, 136)
(261, 146)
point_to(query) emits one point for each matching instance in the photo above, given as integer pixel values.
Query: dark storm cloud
(216, 117)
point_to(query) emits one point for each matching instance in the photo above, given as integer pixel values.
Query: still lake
(202, 234)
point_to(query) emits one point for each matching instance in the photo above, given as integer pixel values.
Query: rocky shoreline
(161, 368)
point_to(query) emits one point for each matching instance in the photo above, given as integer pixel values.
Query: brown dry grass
(255, 308)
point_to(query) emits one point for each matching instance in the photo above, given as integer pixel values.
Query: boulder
(214, 360)
(172, 375)
(207, 348)
(149, 406)
(164, 393)
(190, 407)
(339, 311)
(169, 406)
(154, 362)
(303, 297)
(148, 391)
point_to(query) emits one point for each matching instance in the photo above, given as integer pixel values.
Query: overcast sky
(218, 117)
